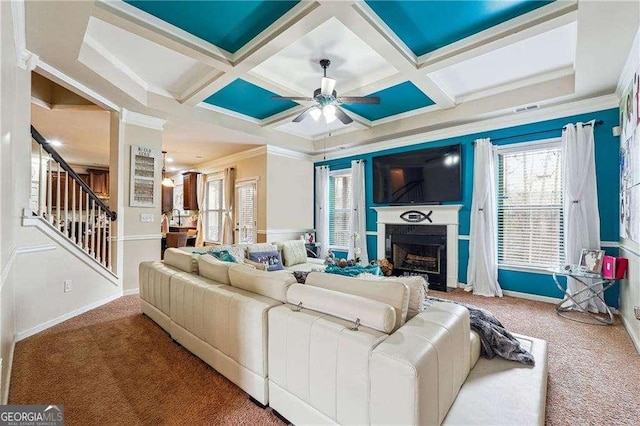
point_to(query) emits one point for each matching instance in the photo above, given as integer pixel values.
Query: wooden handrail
(70, 172)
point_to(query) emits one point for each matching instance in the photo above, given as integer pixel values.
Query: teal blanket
(353, 271)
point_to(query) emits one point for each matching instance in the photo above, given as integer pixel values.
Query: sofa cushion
(182, 260)
(370, 313)
(390, 292)
(271, 259)
(214, 269)
(237, 252)
(252, 248)
(269, 284)
(294, 252)
(417, 290)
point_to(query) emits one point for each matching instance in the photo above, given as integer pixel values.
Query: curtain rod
(596, 123)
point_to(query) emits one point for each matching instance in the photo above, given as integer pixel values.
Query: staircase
(66, 203)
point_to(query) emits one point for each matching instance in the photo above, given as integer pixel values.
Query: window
(214, 209)
(246, 211)
(530, 228)
(339, 208)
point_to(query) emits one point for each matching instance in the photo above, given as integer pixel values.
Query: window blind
(214, 210)
(339, 209)
(530, 221)
(246, 212)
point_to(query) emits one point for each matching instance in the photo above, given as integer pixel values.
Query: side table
(589, 292)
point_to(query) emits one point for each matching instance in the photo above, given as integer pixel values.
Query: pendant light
(165, 180)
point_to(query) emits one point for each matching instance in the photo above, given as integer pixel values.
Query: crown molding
(26, 59)
(552, 112)
(215, 165)
(283, 152)
(231, 113)
(142, 120)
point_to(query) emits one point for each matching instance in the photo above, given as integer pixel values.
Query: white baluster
(40, 184)
(105, 236)
(86, 229)
(98, 249)
(80, 235)
(58, 200)
(73, 212)
(66, 205)
(93, 231)
(49, 189)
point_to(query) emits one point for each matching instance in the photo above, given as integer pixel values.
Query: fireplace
(419, 250)
(421, 240)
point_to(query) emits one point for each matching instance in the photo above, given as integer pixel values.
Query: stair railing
(84, 218)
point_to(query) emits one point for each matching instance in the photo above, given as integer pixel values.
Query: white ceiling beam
(360, 19)
(473, 110)
(280, 37)
(605, 34)
(536, 22)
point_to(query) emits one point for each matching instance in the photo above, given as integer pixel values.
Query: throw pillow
(271, 259)
(223, 255)
(418, 287)
(294, 252)
(238, 253)
(353, 271)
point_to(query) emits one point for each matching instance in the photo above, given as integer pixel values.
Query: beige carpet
(114, 366)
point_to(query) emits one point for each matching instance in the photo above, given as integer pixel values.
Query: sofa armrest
(417, 372)
(315, 260)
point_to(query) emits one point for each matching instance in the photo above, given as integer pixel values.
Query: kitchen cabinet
(99, 182)
(190, 188)
(167, 199)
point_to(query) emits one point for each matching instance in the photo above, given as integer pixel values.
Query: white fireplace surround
(439, 215)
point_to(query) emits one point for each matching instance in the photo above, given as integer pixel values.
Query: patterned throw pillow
(223, 255)
(270, 258)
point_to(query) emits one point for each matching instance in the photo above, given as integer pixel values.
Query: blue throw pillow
(353, 271)
(272, 259)
(223, 255)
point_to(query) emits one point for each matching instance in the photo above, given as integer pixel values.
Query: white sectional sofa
(338, 350)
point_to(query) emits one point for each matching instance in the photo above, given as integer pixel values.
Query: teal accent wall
(608, 181)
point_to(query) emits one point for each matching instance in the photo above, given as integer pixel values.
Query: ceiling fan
(327, 100)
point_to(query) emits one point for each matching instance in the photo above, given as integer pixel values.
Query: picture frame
(309, 237)
(145, 168)
(591, 261)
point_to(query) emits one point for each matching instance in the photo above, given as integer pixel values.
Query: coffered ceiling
(431, 63)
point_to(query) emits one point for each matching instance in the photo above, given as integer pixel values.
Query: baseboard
(535, 297)
(131, 291)
(7, 380)
(635, 339)
(37, 329)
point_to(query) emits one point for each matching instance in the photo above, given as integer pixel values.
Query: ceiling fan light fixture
(315, 113)
(327, 86)
(329, 112)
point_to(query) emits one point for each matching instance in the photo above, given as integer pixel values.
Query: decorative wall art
(630, 161)
(143, 188)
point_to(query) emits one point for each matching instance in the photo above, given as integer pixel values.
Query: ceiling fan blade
(340, 115)
(304, 115)
(358, 100)
(292, 98)
(327, 86)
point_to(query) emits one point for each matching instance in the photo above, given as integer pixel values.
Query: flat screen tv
(427, 176)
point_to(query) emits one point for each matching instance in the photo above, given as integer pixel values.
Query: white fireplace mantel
(447, 214)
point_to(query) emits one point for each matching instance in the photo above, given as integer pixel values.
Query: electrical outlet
(67, 286)
(146, 217)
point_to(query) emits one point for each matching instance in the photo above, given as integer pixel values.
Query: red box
(614, 267)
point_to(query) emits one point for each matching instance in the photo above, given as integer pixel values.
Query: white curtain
(580, 198)
(322, 210)
(227, 218)
(201, 183)
(358, 225)
(482, 272)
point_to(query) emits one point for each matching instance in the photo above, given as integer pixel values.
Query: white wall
(630, 287)
(14, 142)
(290, 204)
